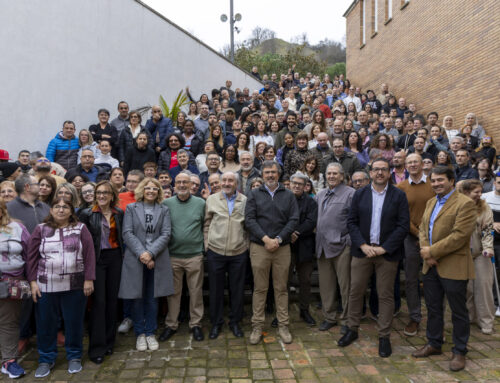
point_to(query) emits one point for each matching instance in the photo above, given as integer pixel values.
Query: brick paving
(312, 357)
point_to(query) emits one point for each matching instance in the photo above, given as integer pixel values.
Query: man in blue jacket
(159, 127)
(378, 223)
(63, 148)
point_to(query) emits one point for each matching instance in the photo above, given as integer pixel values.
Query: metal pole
(231, 27)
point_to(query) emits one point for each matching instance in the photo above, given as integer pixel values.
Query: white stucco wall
(65, 59)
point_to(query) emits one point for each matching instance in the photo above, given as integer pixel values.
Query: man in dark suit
(378, 223)
(445, 231)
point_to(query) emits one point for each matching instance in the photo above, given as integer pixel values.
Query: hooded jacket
(64, 151)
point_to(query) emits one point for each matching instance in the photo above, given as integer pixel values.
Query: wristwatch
(280, 241)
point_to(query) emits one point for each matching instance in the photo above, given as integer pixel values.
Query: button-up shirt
(422, 179)
(271, 192)
(377, 205)
(437, 208)
(230, 201)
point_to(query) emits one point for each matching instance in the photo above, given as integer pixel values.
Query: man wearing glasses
(378, 223)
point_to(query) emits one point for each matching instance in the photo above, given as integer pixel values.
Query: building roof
(192, 36)
(351, 7)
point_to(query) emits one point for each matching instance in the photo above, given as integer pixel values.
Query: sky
(320, 19)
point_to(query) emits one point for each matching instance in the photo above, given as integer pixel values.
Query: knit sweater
(417, 195)
(187, 218)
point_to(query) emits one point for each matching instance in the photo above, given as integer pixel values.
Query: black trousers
(435, 288)
(103, 313)
(235, 266)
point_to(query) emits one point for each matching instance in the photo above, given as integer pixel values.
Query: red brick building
(443, 55)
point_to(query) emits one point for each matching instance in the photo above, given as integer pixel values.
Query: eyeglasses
(102, 193)
(42, 160)
(298, 183)
(377, 170)
(61, 207)
(150, 188)
(89, 192)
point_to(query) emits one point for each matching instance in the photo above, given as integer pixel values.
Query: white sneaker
(125, 326)
(152, 343)
(141, 344)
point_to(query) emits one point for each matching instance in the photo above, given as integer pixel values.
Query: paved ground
(312, 357)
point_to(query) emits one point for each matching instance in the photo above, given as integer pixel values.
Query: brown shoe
(411, 328)
(457, 362)
(426, 351)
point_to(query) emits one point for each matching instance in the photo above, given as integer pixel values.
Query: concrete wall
(442, 55)
(65, 59)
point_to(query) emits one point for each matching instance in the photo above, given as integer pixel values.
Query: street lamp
(232, 28)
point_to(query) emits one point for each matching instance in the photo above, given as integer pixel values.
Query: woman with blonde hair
(476, 129)
(13, 246)
(147, 270)
(480, 303)
(86, 142)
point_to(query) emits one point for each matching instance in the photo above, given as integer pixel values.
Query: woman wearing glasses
(105, 221)
(61, 270)
(147, 271)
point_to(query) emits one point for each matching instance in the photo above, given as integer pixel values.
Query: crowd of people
(259, 188)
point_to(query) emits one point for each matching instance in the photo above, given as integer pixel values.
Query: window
(388, 10)
(363, 23)
(374, 17)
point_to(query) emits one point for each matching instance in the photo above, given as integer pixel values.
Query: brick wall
(443, 55)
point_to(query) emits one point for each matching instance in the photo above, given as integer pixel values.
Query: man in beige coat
(226, 244)
(445, 231)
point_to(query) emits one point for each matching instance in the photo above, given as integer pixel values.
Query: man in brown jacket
(445, 231)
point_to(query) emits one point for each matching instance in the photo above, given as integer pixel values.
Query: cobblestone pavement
(312, 357)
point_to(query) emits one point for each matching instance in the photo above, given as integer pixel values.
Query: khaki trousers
(480, 303)
(361, 271)
(10, 315)
(193, 267)
(262, 262)
(330, 271)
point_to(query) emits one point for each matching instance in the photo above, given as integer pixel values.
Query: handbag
(14, 288)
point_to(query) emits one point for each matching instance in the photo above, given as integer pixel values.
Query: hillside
(329, 51)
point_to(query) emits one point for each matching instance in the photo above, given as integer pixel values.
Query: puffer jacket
(63, 151)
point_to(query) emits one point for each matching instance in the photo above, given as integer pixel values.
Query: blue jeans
(145, 309)
(71, 304)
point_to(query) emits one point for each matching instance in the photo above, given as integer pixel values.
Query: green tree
(279, 63)
(336, 69)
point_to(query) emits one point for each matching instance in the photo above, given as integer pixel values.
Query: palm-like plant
(172, 111)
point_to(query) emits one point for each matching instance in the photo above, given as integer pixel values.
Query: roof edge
(351, 7)
(194, 38)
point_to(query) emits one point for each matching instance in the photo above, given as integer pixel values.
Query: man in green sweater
(187, 214)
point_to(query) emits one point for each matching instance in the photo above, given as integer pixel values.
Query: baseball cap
(4, 155)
